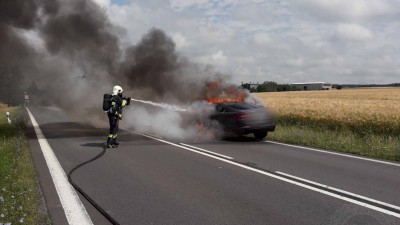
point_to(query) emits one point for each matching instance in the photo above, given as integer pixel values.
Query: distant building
(254, 85)
(308, 86)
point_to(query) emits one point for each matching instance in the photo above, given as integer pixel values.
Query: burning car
(224, 110)
(241, 118)
(236, 116)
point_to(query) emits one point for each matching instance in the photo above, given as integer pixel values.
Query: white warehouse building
(308, 86)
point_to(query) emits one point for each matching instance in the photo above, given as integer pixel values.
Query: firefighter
(115, 114)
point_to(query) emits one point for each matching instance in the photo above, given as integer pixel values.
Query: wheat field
(369, 110)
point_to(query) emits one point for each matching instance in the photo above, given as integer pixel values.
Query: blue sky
(285, 41)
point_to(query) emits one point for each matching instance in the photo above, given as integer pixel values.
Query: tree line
(269, 86)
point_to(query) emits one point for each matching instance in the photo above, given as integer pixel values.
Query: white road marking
(74, 210)
(52, 108)
(341, 191)
(154, 135)
(335, 153)
(190, 146)
(363, 204)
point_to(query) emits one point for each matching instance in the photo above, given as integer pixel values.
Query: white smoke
(164, 120)
(253, 99)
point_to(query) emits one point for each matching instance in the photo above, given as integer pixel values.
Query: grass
(346, 141)
(20, 199)
(358, 121)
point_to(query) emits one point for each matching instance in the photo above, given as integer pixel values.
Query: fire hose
(86, 196)
(102, 153)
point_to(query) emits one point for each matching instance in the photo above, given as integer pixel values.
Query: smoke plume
(78, 58)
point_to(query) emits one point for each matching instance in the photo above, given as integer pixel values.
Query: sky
(335, 41)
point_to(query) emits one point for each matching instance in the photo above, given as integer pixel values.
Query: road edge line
(74, 210)
(334, 153)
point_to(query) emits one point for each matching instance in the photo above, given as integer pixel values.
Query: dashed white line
(335, 153)
(201, 149)
(341, 191)
(309, 187)
(74, 210)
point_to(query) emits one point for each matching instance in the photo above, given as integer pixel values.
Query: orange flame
(218, 92)
(225, 99)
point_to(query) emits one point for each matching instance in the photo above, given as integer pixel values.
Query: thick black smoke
(79, 30)
(155, 69)
(16, 55)
(78, 42)
(78, 58)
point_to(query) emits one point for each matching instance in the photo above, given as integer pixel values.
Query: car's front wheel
(260, 134)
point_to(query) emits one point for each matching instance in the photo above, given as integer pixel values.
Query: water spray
(162, 105)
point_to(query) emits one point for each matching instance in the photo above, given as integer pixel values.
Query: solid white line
(335, 153)
(190, 146)
(74, 210)
(339, 190)
(366, 205)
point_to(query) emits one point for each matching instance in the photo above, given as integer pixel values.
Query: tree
(267, 86)
(246, 86)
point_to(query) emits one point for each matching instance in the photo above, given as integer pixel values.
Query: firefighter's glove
(126, 101)
(120, 116)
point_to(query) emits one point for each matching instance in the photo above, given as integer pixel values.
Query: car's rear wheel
(260, 134)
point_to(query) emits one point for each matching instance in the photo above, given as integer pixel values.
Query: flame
(218, 92)
(223, 99)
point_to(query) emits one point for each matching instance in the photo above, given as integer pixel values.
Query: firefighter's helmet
(117, 90)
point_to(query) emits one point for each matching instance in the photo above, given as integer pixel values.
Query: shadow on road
(241, 139)
(95, 145)
(68, 130)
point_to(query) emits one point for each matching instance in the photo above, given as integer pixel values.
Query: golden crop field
(369, 110)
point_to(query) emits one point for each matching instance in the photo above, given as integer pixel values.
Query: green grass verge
(20, 198)
(340, 140)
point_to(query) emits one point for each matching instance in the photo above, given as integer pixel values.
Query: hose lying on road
(101, 210)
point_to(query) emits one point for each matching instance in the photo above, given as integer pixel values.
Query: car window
(220, 108)
(243, 106)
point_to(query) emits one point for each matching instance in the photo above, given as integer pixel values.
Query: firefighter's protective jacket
(117, 103)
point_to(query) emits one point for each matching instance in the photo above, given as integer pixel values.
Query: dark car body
(240, 118)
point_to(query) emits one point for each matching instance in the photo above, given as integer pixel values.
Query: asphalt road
(150, 180)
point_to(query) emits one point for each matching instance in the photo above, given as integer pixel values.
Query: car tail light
(239, 116)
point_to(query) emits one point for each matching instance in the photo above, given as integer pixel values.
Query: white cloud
(274, 40)
(219, 58)
(103, 3)
(204, 4)
(262, 39)
(180, 41)
(354, 10)
(353, 32)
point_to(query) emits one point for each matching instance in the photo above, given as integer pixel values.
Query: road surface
(152, 180)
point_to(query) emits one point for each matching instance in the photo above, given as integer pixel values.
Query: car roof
(241, 105)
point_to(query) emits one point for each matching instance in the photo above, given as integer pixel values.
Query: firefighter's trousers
(112, 135)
